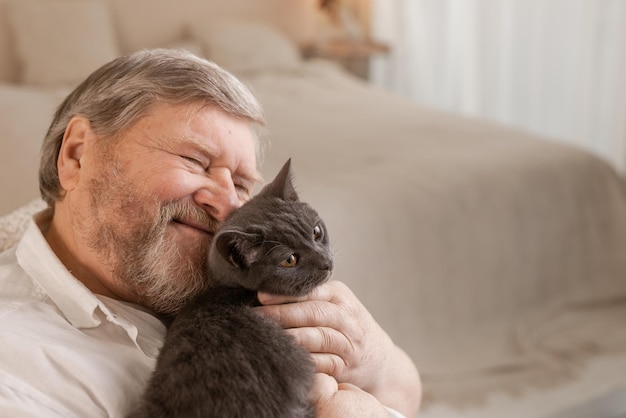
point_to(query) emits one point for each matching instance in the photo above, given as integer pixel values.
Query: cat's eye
(317, 233)
(290, 261)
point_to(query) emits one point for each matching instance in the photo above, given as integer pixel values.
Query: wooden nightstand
(352, 55)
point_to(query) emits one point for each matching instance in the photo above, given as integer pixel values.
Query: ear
(238, 248)
(282, 185)
(72, 151)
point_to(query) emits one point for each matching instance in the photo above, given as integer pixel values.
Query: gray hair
(119, 93)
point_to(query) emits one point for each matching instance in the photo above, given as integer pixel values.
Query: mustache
(188, 213)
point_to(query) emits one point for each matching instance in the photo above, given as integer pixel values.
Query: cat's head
(274, 243)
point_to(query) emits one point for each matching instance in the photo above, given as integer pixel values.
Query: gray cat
(222, 359)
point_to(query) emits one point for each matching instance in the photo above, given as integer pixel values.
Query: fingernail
(264, 298)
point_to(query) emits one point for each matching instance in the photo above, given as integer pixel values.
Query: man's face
(160, 194)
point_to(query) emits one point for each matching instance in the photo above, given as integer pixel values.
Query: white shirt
(64, 351)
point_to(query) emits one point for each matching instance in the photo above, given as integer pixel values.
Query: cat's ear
(282, 185)
(237, 248)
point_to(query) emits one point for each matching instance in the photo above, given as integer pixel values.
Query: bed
(495, 258)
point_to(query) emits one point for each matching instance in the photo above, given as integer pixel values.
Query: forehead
(224, 138)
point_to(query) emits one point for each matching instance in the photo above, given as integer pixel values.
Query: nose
(218, 195)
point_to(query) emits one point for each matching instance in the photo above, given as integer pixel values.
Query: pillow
(60, 42)
(246, 45)
(13, 225)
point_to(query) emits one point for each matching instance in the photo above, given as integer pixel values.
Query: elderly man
(140, 165)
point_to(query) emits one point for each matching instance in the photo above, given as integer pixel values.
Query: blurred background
(554, 67)
(431, 136)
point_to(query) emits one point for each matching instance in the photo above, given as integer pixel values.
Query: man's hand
(343, 400)
(348, 344)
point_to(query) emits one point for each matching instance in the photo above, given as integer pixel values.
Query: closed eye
(243, 186)
(243, 189)
(204, 166)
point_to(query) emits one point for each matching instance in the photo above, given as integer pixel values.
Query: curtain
(553, 67)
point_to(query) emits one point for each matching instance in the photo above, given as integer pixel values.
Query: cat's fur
(222, 359)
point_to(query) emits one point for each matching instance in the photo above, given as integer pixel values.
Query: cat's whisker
(269, 251)
(261, 243)
(269, 242)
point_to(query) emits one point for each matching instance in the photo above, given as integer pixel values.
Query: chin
(189, 241)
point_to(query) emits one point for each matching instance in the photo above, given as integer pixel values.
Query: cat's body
(220, 357)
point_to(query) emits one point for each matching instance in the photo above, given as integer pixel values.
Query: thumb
(324, 387)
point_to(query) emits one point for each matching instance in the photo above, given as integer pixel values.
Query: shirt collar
(80, 306)
(77, 303)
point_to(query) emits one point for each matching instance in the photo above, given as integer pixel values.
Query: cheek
(168, 185)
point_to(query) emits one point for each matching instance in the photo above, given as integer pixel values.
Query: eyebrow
(210, 150)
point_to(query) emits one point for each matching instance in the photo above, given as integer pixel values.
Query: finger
(306, 314)
(324, 387)
(330, 364)
(271, 299)
(332, 291)
(321, 340)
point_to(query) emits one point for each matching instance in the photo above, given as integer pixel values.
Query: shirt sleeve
(393, 413)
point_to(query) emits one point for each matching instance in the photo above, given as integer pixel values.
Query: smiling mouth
(197, 227)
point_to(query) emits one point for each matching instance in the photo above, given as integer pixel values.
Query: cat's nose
(328, 266)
